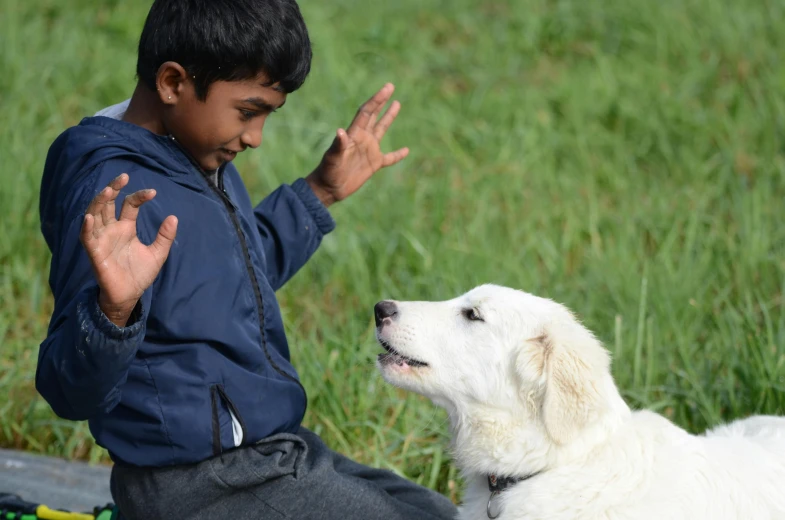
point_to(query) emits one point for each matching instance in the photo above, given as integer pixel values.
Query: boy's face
(227, 122)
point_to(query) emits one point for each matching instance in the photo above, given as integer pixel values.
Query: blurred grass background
(624, 158)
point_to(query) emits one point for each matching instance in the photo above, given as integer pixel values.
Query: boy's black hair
(226, 40)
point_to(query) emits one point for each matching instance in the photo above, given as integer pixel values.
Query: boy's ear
(570, 366)
(170, 82)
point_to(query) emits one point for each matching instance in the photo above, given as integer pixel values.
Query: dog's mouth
(393, 357)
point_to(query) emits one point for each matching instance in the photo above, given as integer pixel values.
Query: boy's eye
(247, 114)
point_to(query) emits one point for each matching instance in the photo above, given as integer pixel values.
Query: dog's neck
(494, 442)
(514, 443)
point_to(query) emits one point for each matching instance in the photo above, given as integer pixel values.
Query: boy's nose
(252, 138)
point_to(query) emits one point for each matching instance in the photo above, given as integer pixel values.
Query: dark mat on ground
(60, 484)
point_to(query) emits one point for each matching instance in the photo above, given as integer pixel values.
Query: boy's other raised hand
(123, 266)
(355, 155)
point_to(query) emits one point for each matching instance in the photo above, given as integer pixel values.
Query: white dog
(536, 417)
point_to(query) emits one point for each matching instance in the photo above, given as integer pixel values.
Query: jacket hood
(81, 148)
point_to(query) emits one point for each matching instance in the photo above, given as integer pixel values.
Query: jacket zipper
(218, 392)
(221, 192)
(249, 267)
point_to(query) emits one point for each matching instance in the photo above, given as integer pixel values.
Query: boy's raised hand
(123, 266)
(355, 155)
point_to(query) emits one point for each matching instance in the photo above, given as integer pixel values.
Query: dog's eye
(472, 314)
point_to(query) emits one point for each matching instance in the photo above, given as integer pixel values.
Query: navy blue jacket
(204, 364)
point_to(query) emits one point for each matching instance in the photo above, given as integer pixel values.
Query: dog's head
(496, 348)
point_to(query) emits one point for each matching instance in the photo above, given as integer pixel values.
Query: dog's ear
(569, 363)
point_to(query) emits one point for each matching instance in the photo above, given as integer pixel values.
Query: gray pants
(284, 476)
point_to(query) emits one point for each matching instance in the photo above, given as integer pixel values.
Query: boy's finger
(387, 119)
(336, 145)
(108, 210)
(98, 202)
(119, 182)
(102, 204)
(394, 157)
(342, 139)
(340, 143)
(86, 235)
(369, 110)
(96, 205)
(163, 242)
(132, 203)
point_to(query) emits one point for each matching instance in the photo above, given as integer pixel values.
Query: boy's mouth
(228, 155)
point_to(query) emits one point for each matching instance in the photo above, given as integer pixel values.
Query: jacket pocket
(220, 402)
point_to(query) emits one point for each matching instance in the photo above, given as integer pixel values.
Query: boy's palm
(356, 155)
(123, 266)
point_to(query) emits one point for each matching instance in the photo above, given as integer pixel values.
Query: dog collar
(498, 484)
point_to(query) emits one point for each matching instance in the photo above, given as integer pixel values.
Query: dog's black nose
(385, 309)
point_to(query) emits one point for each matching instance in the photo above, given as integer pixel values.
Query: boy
(175, 351)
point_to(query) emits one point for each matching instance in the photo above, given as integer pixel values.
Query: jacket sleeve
(292, 222)
(85, 358)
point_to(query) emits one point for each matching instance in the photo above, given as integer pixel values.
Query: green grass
(624, 158)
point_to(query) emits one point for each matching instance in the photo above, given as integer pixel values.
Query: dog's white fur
(529, 390)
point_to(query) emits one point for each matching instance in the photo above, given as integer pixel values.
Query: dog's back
(765, 428)
(752, 453)
(654, 469)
